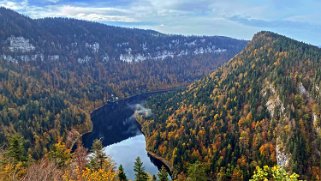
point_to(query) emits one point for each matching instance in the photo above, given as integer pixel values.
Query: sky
(298, 19)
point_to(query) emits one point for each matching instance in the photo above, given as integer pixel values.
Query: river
(115, 125)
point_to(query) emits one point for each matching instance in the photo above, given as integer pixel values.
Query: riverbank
(166, 163)
(163, 161)
(74, 141)
(135, 95)
(116, 121)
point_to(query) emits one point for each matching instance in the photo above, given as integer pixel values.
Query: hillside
(260, 108)
(126, 61)
(55, 71)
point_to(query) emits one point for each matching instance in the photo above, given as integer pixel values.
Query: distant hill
(125, 60)
(260, 108)
(55, 71)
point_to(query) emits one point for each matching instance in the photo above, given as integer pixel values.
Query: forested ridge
(260, 108)
(55, 71)
(93, 60)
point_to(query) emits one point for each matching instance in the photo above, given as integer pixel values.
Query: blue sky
(298, 19)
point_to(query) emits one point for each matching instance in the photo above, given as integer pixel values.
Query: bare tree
(43, 170)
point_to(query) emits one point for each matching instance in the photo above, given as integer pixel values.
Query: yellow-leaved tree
(275, 173)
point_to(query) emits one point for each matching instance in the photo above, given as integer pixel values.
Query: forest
(48, 90)
(256, 117)
(260, 108)
(62, 164)
(55, 71)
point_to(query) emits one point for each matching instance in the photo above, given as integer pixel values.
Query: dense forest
(55, 71)
(93, 60)
(260, 108)
(62, 164)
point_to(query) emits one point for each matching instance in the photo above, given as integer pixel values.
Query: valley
(83, 100)
(257, 109)
(47, 80)
(116, 126)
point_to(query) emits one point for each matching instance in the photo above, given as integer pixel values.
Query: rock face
(68, 67)
(260, 108)
(125, 52)
(86, 41)
(277, 111)
(20, 44)
(165, 54)
(274, 103)
(116, 60)
(282, 157)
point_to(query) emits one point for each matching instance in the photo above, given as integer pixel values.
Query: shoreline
(153, 155)
(165, 162)
(132, 96)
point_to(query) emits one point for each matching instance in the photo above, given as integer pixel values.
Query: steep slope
(126, 61)
(36, 111)
(261, 108)
(55, 71)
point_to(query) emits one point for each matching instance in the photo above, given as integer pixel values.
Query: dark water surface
(115, 125)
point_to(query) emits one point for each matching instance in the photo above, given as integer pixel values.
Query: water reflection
(126, 151)
(115, 125)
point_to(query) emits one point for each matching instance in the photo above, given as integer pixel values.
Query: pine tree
(121, 174)
(16, 149)
(140, 174)
(162, 174)
(197, 172)
(99, 157)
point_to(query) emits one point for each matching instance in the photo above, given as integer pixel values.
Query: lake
(126, 151)
(115, 125)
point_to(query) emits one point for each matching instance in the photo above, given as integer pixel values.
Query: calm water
(115, 125)
(126, 151)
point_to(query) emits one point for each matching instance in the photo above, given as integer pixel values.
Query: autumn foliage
(264, 100)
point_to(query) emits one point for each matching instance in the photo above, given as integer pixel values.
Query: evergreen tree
(121, 174)
(140, 174)
(196, 172)
(16, 149)
(162, 174)
(99, 157)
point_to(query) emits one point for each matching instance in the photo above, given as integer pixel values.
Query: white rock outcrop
(20, 44)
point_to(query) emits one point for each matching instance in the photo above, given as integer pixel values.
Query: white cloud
(207, 17)
(70, 11)
(89, 13)
(14, 5)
